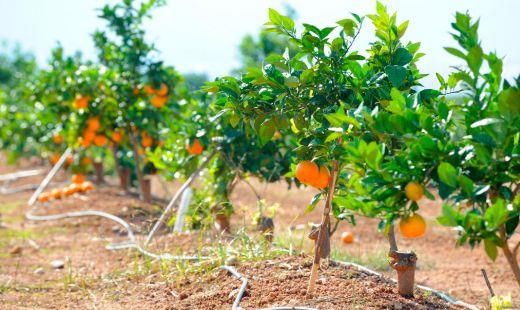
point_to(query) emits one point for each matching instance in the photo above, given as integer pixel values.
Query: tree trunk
(322, 247)
(98, 168)
(222, 222)
(146, 190)
(124, 178)
(510, 256)
(139, 172)
(404, 263)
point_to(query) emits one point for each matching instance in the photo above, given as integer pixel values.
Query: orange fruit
(57, 138)
(146, 141)
(84, 142)
(85, 161)
(100, 140)
(277, 135)
(135, 91)
(163, 91)
(307, 172)
(54, 159)
(73, 188)
(347, 237)
(78, 178)
(69, 160)
(323, 179)
(194, 149)
(89, 135)
(117, 136)
(81, 102)
(56, 193)
(414, 191)
(86, 186)
(93, 123)
(44, 197)
(66, 192)
(159, 101)
(413, 226)
(149, 89)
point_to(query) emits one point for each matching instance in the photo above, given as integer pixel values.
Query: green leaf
(475, 58)
(396, 75)
(509, 104)
(455, 52)
(267, 130)
(447, 174)
(349, 26)
(449, 216)
(292, 81)
(466, 185)
(491, 249)
(401, 57)
(234, 120)
(496, 215)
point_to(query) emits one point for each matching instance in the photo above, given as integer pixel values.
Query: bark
(266, 227)
(122, 172)
(139, 172)
(510, 256)
(322, 247)
(146, 190)
(404, 263)
(98, 168)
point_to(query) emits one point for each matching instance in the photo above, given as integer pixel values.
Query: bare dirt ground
(95, 278)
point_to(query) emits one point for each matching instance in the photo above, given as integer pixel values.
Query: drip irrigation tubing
(133, 244)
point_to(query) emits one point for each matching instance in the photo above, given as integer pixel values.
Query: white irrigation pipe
(176, 197)
(132, 243)
(183, 208)
(440, 294)
(243, 287)
(10, 177)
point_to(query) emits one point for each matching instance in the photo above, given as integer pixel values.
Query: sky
(203, 35)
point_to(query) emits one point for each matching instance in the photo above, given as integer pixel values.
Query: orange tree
(18, 136)
(360, 117)
(482, 182)
(142, 87)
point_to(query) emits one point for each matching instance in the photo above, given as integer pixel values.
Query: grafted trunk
(98, 169)
(146, 190)
(139, 172)
(124, 178)
(222, 221)
(404, 263)
(266, 227)
(510, 255)
(322, 247)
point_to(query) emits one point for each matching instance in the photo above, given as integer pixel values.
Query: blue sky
(203, 35)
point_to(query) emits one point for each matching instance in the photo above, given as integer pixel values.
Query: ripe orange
(347, 237)
(57, 138)
(89, 135)
(135, 91)
(146, 141)
(44, 197)
(84, 142)
(78, 178)
(70, 160)
(56, 193)
(54, 159)
(323, 179)
(194, 149)
(277, 135)
(117, 136)
(414, 191)
(85, 161)
(413, 226)
(163, 91)
(66, 192)
(307, 172)
(100, 140)
(86, 186)
(73, 188)
(93, 123)
(81, 102)
(149, 89)
(159, 101)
